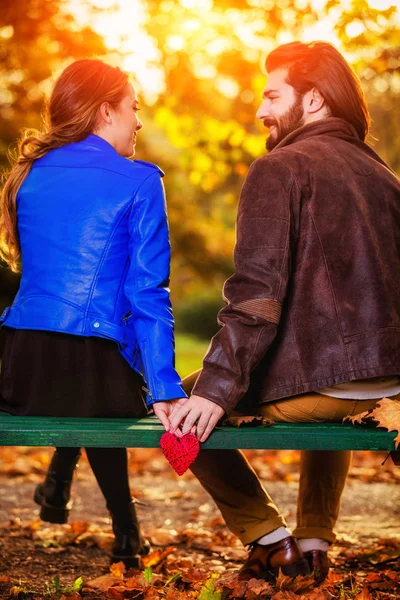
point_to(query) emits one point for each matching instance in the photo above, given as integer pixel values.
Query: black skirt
(46, 373)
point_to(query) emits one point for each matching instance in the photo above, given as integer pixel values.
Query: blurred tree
(37, 38)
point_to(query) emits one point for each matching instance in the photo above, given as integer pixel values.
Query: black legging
(110, 467)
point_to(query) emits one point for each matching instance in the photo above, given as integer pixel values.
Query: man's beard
(290, 121)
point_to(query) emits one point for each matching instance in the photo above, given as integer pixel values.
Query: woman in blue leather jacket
(90, 332)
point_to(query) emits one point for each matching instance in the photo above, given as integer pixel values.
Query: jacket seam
(101, 262)
(90, 167)
(25, 298)
(368, 331)
(150, 381)
(330, 283)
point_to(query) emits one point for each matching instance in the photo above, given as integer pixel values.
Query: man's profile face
(281, 108)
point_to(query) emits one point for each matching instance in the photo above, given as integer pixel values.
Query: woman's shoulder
(101, 155)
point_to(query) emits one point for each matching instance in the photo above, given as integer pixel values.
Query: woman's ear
(104, 114)
(313, 101)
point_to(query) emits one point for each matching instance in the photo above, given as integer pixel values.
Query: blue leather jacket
(95, 257)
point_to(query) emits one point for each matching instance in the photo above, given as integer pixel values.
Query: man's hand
(163, 410)
(197, 409)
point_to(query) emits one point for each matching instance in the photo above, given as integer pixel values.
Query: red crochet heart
(180, 452)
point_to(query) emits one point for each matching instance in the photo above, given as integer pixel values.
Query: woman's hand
(163, 410)
(197, 409)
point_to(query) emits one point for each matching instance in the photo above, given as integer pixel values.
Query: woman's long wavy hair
(70, 115)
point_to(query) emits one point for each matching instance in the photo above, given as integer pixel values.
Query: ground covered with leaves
(194, 555)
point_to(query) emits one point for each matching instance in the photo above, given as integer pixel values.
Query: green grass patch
(189, 352)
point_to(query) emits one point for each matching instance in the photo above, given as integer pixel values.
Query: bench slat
(145, 433)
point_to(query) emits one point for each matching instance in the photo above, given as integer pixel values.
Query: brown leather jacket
(315, 297)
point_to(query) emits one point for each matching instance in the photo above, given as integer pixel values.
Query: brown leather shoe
(264, 562)
(318, 562)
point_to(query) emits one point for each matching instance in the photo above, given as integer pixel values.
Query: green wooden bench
(145, 433)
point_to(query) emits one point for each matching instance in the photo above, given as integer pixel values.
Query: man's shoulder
(272, 166)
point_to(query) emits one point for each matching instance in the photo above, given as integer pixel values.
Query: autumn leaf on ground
(257, 588)
(103, 583)
(285, 595)
(248, 421)
(364, 595)
(118, 569)
(296, 584)
(174, 594)
(75, 530)
(333, 578)
(193, 575)
(164, 537)
(157, 556)
(209, 590)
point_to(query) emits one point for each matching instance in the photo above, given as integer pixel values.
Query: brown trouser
(247, 508)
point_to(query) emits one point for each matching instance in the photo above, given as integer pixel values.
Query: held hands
(197, 409)
(163, 410)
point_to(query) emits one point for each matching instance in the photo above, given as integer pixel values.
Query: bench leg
(395, 454)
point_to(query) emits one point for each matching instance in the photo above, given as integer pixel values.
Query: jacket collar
(331, 126)
(99, 143)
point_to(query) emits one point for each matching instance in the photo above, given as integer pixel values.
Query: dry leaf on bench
(387, 415)
(248, 421)
(360, 418)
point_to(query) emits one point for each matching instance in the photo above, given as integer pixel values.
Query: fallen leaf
(294, 584)
(4, 579)
(193, 575)
(364, 594)
(257, 588)
(16, 590)
(359, 419)
(164, 537)
(373, 577)
(285, 595)
(117, 594)
(157, 556)
(387, 415)
(104, 582)
(118, 569)
(333, 578)
(248, 421)
(174, 594)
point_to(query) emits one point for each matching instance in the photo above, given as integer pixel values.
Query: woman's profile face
(126, 123)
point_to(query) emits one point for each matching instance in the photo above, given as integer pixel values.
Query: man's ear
(104, 114)
(313, 101)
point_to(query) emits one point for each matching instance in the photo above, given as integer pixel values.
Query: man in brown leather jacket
(311, 329)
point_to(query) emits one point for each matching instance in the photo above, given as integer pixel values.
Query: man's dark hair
(320, 65)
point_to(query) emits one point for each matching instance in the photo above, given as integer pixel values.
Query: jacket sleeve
(147, 288)
(256, 291)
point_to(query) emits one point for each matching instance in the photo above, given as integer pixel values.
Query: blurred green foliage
(197, 315)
